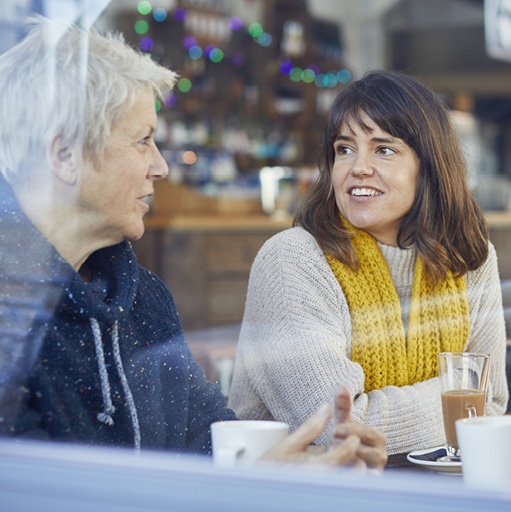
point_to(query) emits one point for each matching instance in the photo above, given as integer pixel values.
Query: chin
(135, 232)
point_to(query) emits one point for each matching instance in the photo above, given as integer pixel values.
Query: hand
(371, 451)
(294, 447)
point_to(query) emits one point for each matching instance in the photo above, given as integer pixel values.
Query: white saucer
(430, 459)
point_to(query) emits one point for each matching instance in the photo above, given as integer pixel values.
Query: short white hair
(69, 81)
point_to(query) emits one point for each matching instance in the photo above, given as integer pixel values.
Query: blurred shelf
(498, 220)
(231, 222)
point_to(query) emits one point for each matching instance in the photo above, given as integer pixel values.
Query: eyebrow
(384, 140)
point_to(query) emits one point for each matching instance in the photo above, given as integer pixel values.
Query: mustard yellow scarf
(438, 320)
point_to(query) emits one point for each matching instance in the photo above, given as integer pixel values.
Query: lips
(145, 200)
(364, 192)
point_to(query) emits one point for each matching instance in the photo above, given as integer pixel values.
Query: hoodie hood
(112, 290)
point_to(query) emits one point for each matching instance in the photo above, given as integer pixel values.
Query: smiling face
(374, 176)
(114, 194)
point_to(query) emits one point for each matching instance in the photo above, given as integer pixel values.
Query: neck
(60, 222)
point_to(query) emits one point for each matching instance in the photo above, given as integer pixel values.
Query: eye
(342, 150)
(385, 151)
(145, 141)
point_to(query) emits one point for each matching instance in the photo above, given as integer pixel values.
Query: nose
(158, 169)
(362, 165)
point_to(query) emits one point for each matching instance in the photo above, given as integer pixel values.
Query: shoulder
(488, 269)
(296, 240)
(294, 259)
(484, 283)
(153, 293)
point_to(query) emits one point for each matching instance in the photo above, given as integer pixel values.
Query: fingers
(312, 428)
(373, 457)
(372, 447)
(342, 402)
(367, 434)
(342, 454)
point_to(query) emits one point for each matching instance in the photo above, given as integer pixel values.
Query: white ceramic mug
(243, 442)
(485, 444)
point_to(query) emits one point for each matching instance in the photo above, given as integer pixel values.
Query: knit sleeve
(295, 346)
(487, 328)
(295, 335)
(179, 396)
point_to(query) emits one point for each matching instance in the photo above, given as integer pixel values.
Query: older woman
(91, 346)
(389, 264)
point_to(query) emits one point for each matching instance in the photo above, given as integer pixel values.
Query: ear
(64, 159)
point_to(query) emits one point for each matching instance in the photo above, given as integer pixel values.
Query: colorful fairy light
(235, 23)
(146, 44)
(189, 41)
(158, 105)
(184, 84)
(160, 14)
(208, 50)
(309, 75)
(255, 30)
(216, 55)
(144, 8)
(344, 76)
(296, 74)
(180, 14)
(314, 69)
(237, 59)
(265, 39)
(195, 52)
(286, 67)
(141, 27)
(170, 99)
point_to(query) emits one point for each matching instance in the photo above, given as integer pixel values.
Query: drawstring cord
(106, 416)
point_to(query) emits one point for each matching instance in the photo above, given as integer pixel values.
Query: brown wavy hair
(445, 222)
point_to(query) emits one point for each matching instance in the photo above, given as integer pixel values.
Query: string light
(184, 84)
(235, 23)
(141, 27)
(144, 8)
(146, 44)
(310, 75)
(237, 59)
(160, 14)
(170, 99)
(180, 14)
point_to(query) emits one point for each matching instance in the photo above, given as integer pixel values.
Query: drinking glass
(463, 383)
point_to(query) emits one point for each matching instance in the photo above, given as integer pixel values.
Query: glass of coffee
(463, 382)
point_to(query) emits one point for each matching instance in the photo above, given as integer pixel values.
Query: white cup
(243, 442)
(485, 445)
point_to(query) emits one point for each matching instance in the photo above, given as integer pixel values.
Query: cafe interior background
(242, 129)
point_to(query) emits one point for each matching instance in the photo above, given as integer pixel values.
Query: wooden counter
(219, 223)
(205, 261)
(498, 220)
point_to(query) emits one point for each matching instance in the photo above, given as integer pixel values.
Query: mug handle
(227, 456)
(471, 410)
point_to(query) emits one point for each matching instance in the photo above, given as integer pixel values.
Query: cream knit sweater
(295, 344)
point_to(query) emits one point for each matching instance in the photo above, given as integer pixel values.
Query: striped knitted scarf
(438, 320)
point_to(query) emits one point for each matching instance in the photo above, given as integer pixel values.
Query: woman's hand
(371, 451)
(295, 447)
(354, 445)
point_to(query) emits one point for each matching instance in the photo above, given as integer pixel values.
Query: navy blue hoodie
(100, 362)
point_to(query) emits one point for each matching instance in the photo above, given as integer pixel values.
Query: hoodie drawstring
(107, 415)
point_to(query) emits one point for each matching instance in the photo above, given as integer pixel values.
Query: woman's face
(374, 177)
(114, 195)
